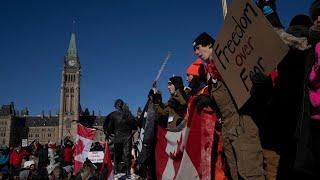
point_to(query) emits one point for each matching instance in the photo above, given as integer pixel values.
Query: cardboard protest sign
(24, 142)
(96, 156)
(246, 44)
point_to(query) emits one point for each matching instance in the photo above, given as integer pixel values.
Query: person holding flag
(173, 111)
(201, 144)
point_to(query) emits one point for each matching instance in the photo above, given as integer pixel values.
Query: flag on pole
(106, 168)
(84, 140)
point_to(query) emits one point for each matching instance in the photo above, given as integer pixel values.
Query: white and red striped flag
(84, 140)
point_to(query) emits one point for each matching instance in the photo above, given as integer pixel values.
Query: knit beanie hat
(302, 20)
(196, 68)
(177, 82)
(315, 10)
(203, 39)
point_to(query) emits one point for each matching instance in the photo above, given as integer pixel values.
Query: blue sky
(121, 44)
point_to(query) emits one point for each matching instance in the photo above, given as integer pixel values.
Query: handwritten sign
(96, 156)
(246, 44)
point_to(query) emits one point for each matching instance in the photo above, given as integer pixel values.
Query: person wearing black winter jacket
(121, 123)
(307, 156)
(287, 128)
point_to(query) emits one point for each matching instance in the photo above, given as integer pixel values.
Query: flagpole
(224, 8)
(162, 66)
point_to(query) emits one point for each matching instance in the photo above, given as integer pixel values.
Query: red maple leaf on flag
(79, 147)
(177, 154)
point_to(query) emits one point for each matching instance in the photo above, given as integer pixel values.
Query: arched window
(71, 104)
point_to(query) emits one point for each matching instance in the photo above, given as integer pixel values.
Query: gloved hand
(204, 100)
(173, 103)
(151, 93)
(261, 85)
(269, 9)
(194, 84)
(157, 98)
(259, 78)
(267, 6)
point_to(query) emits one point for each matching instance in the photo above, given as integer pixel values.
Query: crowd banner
(246, 44)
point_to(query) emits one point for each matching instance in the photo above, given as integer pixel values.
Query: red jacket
(16, 158)
(67, 154)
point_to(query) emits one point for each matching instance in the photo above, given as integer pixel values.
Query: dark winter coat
(121, 124)
(304, 157)
(43, 157)
(292, 111)
(173, 111)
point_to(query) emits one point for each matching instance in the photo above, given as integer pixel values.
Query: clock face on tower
(72, 62)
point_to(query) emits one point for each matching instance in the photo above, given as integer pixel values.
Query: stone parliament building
(15, 126)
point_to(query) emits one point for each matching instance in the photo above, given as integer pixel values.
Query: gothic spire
(72, 49)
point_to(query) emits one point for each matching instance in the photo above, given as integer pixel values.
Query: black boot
(117, 169)
(128, 173)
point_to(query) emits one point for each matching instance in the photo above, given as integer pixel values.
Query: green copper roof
(72, 50)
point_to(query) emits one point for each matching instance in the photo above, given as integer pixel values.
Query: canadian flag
(84, 140)
(168, 152)
(202, 153)
(106, 168)
(191, 152)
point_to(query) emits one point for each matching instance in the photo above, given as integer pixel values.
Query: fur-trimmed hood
(292, 41)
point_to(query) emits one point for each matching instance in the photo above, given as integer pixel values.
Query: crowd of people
(49, 161)
(275, 135)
